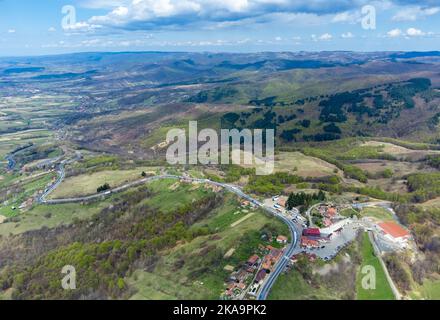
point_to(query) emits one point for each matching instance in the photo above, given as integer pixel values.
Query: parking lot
(330, 249)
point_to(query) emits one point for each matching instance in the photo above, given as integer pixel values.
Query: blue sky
(35, 27)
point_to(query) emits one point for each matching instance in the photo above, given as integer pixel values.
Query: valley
(84, 178)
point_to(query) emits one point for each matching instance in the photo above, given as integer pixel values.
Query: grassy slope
(429, 290)
(292, 286)
(378, 213)
(383, 290)
(307, 166)
(50, 216)
(88, 183)
(31, 187)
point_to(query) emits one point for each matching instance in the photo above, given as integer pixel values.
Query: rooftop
(393, 229)
(253, 259)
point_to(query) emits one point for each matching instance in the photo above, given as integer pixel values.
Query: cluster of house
(26, 204)
(245, 282)
(310, 256)
(311, 238)
(246, 204)
(328, 213)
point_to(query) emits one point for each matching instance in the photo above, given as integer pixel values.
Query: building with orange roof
(331, 212)
(253, 260)
(282, 239)
(309, 243)
(327, 222)
(282, 202)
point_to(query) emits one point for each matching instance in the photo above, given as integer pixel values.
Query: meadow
(382, 290)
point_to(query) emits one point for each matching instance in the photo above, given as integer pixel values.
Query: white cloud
(394, 33)
(413, 32)
(326, 36)
(323, 37)
(415, 13)
(11, 31)
(347, 35)
(51, 29)
(410, 32)
(141, 14)
(80, 26)
(347, 16)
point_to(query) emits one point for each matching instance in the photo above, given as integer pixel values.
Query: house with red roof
(312, 232)
(282, 239)
(282, 202)
(253, 260)
(394, 232)
(309, 243)
(327, 222)
(331, 213)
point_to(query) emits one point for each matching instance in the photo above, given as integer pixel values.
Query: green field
(430, 290)
(292, 286)
(50, 216)
(170, 193)
(349, 212)
(30, 188)
(10, 141)
(378, 213)
(87, 184)
(383, 290)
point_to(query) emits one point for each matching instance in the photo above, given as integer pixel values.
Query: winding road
(11, 162)
(280, 265)
(10, 157)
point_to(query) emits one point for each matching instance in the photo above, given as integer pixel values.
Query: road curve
(279, 267)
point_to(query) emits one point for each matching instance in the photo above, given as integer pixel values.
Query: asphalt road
(10, 157)
(279, 267)
(282, 263)
(61, 175)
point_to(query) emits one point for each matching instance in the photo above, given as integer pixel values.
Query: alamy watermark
(69, 280)
(69, 18)
(368, 20)
(368, 281)
(237, 147)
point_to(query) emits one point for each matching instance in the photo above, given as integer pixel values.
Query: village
(325, 230)
(245, 282)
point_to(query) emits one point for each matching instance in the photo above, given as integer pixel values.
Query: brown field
(399, 151)
(306, 166)
(400, 168)
(434, 203)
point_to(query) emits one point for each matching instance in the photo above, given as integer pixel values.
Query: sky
(39, 27)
